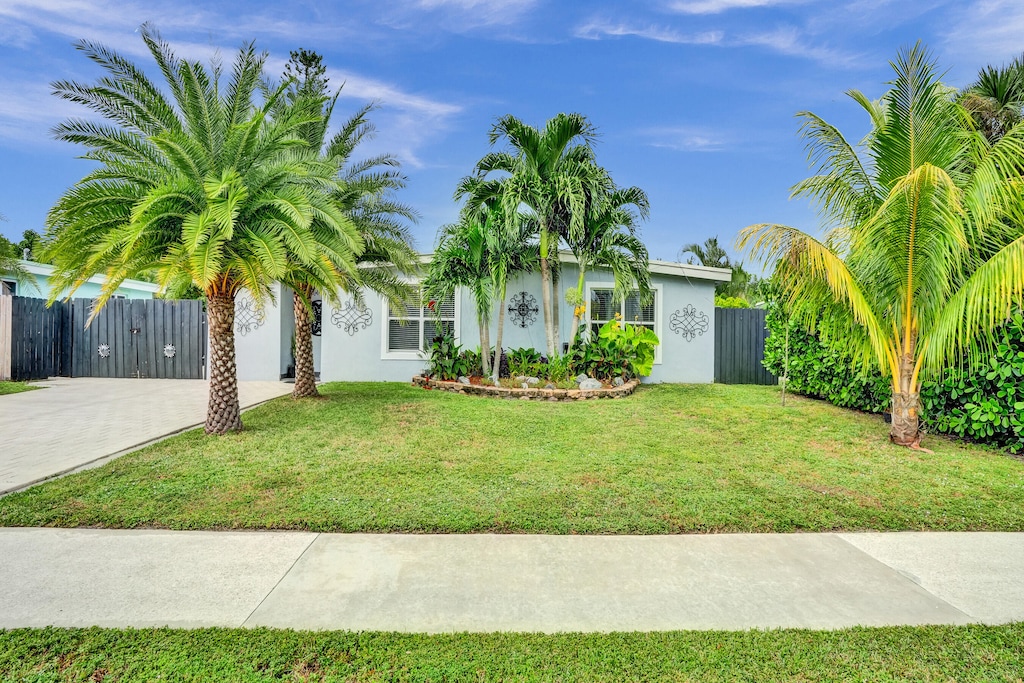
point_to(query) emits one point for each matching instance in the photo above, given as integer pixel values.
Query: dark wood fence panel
(127, 338)
(740, 334)
(36, 338)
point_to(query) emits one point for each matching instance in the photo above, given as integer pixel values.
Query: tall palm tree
(710, 254)
(461, 259)
(900, 277)
(551, 172)
(610, 240)
(364, 195)
(201, 186)
(996, 99)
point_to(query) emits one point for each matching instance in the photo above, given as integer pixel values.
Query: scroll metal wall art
(352, 317)
(248, 316)
(690, 323)
(316, 326)
(523, 309)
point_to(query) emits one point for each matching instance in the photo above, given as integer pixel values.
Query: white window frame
(659, 297)
(386, 353)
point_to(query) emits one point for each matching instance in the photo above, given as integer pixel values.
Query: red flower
(431, 304)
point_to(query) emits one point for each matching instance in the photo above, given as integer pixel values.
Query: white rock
(590, 384)
(463, 380)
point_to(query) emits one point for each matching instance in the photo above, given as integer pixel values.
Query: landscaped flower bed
(533, 393)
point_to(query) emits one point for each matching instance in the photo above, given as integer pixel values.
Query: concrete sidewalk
(76, 421)
(82, 577)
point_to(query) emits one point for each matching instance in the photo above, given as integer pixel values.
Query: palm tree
(711, 254)
(10, 263)
(996, 99)
(364, 196)
(899, 278)
(461, 259)
(203, 187)
(610, 240)
(552, 173)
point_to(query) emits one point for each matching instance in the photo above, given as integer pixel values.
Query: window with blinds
(603, 308)
(412, 328)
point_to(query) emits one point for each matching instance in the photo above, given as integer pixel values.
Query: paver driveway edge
(86, 422)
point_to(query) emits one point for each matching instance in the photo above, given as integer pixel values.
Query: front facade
(370, 341)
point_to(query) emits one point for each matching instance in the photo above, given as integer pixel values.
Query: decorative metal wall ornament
(690, 323)
(318, 313)
(352, 317)
(169, 350)
(104, 350)
(523, 309)
(248, 316)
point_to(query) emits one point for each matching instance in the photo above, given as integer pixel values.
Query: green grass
(670, 459)
(15, 387)
(939, 653)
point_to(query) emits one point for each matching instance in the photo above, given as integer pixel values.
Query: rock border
(531, 394)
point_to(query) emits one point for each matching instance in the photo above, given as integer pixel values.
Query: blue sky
(694, 99)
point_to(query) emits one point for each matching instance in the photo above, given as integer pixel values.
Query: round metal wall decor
(248, 316)
(523, 309)
(104, 350)
(690, 323)
(318, 312)
(169, 350)
(352, 317)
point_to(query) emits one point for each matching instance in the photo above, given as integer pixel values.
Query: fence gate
(151, 338)
(740, 334)
(30, 338)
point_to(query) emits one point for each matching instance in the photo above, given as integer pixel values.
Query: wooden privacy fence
(128, 338)
(740, 334)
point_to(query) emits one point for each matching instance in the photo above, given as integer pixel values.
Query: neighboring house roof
(46, 270)
(686, 270)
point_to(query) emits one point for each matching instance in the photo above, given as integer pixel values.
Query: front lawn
(15, 387)
(934, 653)
(670, 459)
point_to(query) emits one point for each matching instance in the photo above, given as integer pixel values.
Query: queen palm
(364, 196)
(920, 260)
(201, 186)
(610, 240)
(551, 172)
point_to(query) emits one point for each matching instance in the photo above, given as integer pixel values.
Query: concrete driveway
(74, 422)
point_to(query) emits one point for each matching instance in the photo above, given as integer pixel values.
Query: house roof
(46, 270)
(686, 270)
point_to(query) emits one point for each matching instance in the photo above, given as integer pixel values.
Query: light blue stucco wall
(356, 353)
(88, 290)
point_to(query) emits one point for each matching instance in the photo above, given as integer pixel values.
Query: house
(373, 342)
(39, 285)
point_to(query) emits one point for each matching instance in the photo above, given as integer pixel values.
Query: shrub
(983, 401)
(731, 302)
(618, 351)
(446, 358)
(525, 362)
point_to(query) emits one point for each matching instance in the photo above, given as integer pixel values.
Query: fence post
(6, 311)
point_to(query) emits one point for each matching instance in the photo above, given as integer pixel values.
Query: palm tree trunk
(485, 345)
(222, 412)
(305, 376)
(545, 290)
(573, 332)
(556, 303)
(496, 366)
(906, 423)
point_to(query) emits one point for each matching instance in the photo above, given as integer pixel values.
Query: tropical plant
(921, 260)
(609, 240)
(742, 285)
(510, 249)
(730, 302)
(634, 343)
(551, 172)
(446, 359)
(461, 260)
(996, 99)
(364, 196)
(202, 186)
(524, 361)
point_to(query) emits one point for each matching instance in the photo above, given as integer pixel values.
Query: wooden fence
(127, 338)
(740, 334)
(5, 337)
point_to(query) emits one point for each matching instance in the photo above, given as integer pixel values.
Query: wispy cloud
(406, 120)
(686, 138)
(719, 6)
(790, 41)
(458, 16)
(987, 31)
(597, 29)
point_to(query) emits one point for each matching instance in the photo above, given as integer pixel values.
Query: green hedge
(984, 402)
